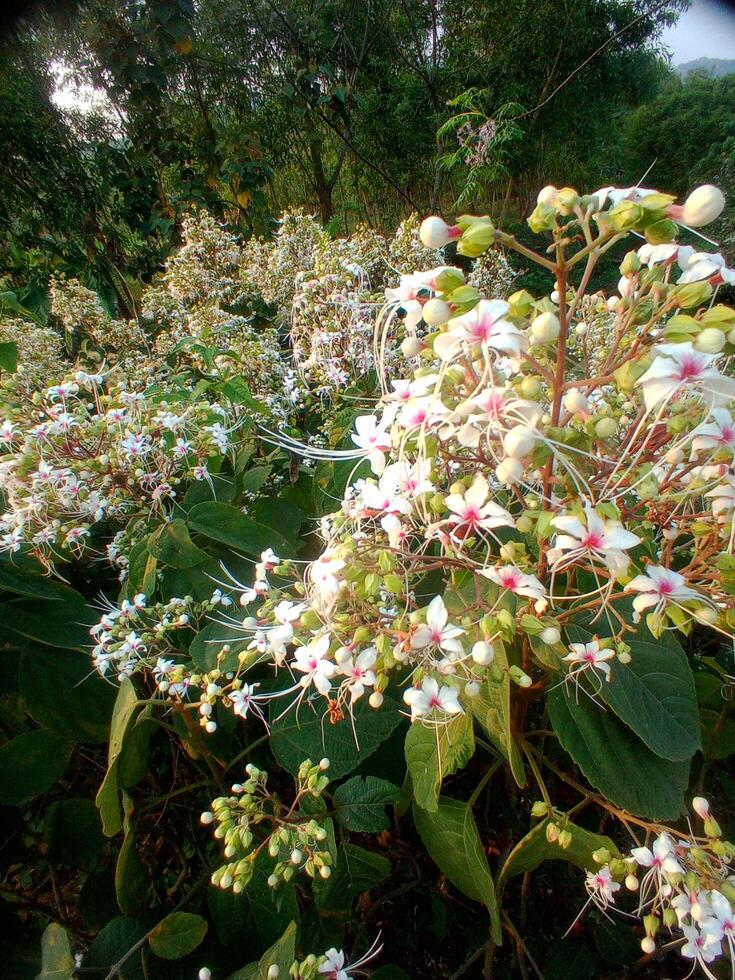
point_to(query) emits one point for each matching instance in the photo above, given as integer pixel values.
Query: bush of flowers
(450, 697)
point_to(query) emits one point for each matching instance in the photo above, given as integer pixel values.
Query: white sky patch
(705, 30)
(70, 94)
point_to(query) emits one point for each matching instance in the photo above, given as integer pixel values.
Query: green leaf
(9, 356)
(360, 803)
(450, 836)
(132, 882)
(281, 954)
(112, 943)
(280, 513)
(654, 694)
(72, 833)
(254, 478)
(308, 736)
(259, 912)
(61, 694)
(433, 753)
(63, 621)
(534, 848)
(615, 760)
(30, 764)
(228, 525)
(357, 870)
(177, 935)
(172, 545)
(491, 708)
(126, 707)
(57, 962)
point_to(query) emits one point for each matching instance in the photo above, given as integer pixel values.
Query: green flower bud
(691, 294)
(661, 232)
(477, 238)
(539, 809)
(625, 215)
(630, 264)
(542, 218)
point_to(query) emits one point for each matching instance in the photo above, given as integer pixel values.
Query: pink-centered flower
(719, 434)
(605, 540)
(512, 579)
(311, 661)
(437, 632)
(678, 366)
(472, 511)
(658, 588)
(485, 325)
(432, 700)
(584, 657)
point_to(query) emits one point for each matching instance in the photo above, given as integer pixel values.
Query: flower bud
(568, 198)
(206, 818)
(411, 346)
(710, 341)
(545, 328)
(204, 974)
(509, 471)
(542, 218)
(375, 700)
(519, 441)
(530, 387)
(625, 215)
(539, 809)
(602, 855)
(435, 232)
(575, 402)
(700, 805)
(631, 883)
(483, 653)
(436, 312)
(548, 195)
(630, 264)
(648, 945)
(550, 635)
(702, 206)
(605, 428)
(472, 689)
(273, 971)
(477, 238)
(552, 833)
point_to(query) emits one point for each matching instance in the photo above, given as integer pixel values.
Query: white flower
(436, 631)
(719, 434)
(358, 672)
(430, 698)
(589, 657)
(512, 579)
(679, 365)
(605, 540)
(601, 886)
(701, 947)
(702, 206)
(310, 660)
(699, 266)
(472, 510)
(659, 587)
(660, 857)
(333, 966)
(486, 325)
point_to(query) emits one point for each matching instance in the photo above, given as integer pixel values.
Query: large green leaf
(259, 912)
(360, 803)
(309, 736)
(450, 836)
(172, 545)
(228, 525)
(433, 753)
(654, 694)
(63, 621)
(281, 954)
(132, 882)
(534, 848)
(357, 870)
(615, 760)
(123, 715)
(60, 693)
(72, 833)
(57, 962)
(177, 935)
(492, 709)
(30, 764)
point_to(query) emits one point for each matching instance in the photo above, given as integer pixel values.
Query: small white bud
(648, 945)
(207, 817)
(550, 635)
(702, 206)
(575, 402)
(548, 195)
(710, 341)
(436, 312)
(411, 346)
(483, 653)
(472, 689)
(205, 973)
(545, 328)
(519, 441)
(509, 471)
(273, 971)
(434, 232)
(375, 700)
(324, 764)
(700, 805)
(631, 883)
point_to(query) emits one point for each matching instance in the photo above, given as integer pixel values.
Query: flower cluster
(40, 357)
(88, 451)
(254, 821)
(685, 886)
(539, 490)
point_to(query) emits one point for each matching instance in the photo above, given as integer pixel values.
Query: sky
(706, 30)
